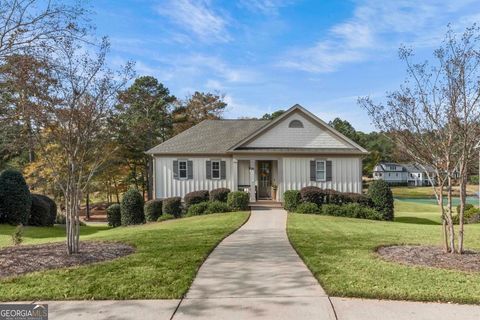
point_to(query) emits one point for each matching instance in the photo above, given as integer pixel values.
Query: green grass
(340, 253)
(166, 260)
(426, 192)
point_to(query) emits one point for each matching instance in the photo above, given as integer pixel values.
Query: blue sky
(270, 54)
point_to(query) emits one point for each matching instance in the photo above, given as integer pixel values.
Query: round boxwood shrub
(307, 207)
(172, 206)
(468, 206)
(114, 216)
(195, 197)
(220, 194)
(15, 198)
(39, 212)
(312, 194)
(291, 200)
(217, 207)
(382, 199)
(238, 200)
(52, 208)
(153, 210)
(197, 209)
(131, 208)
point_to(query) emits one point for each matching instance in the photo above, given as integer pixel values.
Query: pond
(455, 201)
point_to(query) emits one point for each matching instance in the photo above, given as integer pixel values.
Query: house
(263, 157)
(402, 174)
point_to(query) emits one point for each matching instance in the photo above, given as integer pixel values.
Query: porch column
(252, 171)
(234, 186)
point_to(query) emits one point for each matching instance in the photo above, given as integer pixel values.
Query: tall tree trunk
(461, 214)
(149, 173)
(72, 203)
(88, 205)
(450, 216)
(444, 221)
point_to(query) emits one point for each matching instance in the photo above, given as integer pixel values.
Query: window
(182, 169)
(320, 170)
(295, 124)
(215, 169)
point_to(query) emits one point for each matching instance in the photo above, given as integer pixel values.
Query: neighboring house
(402, 174)
(295, 150)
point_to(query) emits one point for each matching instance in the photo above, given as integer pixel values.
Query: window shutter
(223, 170)
(313, 168)
(190, 169)
(209, 170)
(175, 169)
(329, 171)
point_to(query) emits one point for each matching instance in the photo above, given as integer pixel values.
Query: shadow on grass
(50, 232)
(416, 220)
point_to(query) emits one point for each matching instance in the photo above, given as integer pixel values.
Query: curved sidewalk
(255, 273)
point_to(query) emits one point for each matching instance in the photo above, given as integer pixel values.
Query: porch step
(266, 204)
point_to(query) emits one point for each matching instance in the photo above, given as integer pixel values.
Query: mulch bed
(19, 260)
(431, 256)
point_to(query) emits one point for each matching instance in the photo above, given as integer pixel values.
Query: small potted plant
(274, 190)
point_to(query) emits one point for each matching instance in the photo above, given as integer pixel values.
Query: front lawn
(340, 253)
(167, 257)
(426, 192)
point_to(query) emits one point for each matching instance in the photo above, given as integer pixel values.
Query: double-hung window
(320, 170)
(215, 169)
(182, 169)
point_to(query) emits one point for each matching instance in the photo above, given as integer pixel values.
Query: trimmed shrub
(131, 208)
(307, 207)
(172, 206)
(351, 210)
(382, 198)
(333, 210)
(195, 197)
(217, 207)
(238, 200)
(153, 210)
(165, 217)
(52, 208)
(291, 200)
(220, 194)
(197, 209)
(39, 212)
(114, 216)
(15, 198)
(312, 194)
(468, 206)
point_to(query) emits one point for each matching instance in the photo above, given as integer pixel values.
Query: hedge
(220, 194)
(39, 213)
(131, 208)
(195, 197)
(114, 216)
(351, 210)
(238, 200)
(15, 198)
(312, 194)
(217, 207)
(197, 209)
(382, 199)
(172, 206)
(291, 200)
(152, 210)
(307, 207)
(52, 208)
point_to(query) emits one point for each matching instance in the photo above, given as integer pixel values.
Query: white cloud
(198, 18)
(268, 7)
(377, 26)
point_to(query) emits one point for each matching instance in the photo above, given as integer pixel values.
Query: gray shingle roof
(209, 137)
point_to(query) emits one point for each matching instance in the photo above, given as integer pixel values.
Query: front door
(264, 179)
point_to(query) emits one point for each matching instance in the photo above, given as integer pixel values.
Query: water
(455, 201)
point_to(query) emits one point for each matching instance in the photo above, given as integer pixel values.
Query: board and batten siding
(346, 174)
(243, 172)
(310, 136)
(166, 186)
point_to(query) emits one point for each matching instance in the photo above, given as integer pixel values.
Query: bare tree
(434, 117)
(31, 24)
(73, 135)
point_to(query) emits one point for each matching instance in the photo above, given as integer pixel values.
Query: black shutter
(209, 170)
(190, 169)
(223, 170)
(329, 170)
(175, 169)
(313, 170)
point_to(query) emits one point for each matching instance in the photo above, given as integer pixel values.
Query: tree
(273, 115)
(345, 128)
(196, 108)
(143, 120)
(434, 117)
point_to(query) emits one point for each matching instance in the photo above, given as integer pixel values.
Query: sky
(265, 55)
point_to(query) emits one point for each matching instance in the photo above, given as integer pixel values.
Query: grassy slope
(167, 258)
(340, 253)
(422, 192)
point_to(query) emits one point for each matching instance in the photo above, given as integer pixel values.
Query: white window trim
(219, 170)
(324, 170)
(186, 170)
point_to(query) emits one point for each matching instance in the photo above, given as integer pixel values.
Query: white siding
(243, 172)
(346, 174)
(310, 136)
(166, 186)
